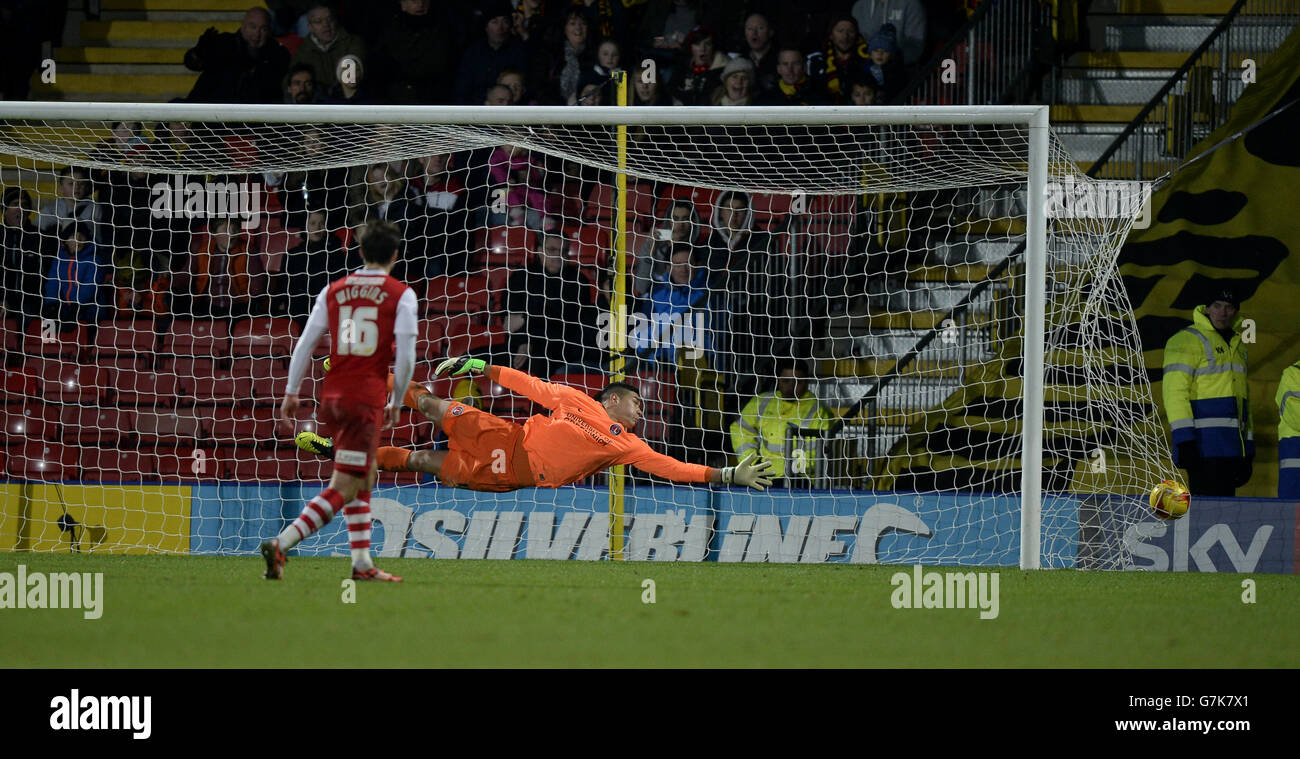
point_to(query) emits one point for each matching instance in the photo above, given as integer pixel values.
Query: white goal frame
(1032, 117)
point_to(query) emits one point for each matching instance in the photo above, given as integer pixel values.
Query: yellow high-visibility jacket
(1205, 392)
(764, 426)
(1288, 433)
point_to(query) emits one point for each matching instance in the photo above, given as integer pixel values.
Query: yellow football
(1170, 500)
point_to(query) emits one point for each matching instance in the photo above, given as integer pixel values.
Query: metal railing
(990, 61)
(1199, 97)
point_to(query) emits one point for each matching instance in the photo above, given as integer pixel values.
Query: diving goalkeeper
(581, 437)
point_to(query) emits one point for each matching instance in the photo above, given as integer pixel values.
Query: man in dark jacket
(413, 55)
(551, 316)
(244, 67)
(24, 266)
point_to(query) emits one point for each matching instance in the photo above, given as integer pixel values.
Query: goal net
(870, 299)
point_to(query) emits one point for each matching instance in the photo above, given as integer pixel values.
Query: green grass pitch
(173, 611)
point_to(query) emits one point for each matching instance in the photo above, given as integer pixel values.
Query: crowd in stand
(98, 249)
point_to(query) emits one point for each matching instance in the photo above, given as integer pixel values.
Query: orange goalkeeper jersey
(579, 439)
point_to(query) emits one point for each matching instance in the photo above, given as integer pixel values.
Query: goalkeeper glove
(754, 475)
(461, 365)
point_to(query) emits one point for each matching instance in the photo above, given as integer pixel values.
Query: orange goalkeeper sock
(392, 459)
(413, 392)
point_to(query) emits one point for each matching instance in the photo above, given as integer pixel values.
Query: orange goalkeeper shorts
(484, 452)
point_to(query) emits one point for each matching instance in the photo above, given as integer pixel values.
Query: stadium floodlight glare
(978, 361)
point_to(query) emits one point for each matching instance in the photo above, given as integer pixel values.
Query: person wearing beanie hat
(1207, 399)
(908, 19)
(886, 71)
(737, 86)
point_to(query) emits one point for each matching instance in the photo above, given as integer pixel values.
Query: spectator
(72, 203)
(529, 20)
(291, 16)
(24, 263)
(485, 59)
(754, 284)
(737, 86)
(313, 188)
(243, 67)
(648, 93)
(498, 94)
(607, 20)
(701, 70)
(413, 56)
(218, 281)
(351, 88)
(678, 311)
(72, 283)
(551, 317)
(862, 93)
(436, 220)
(681, 226)
(325, 45)
(380, 195)
(513, 80)
(794, 86)
(569, 58)
(317, 259)
(608, 56)
(591, 90)
(761, 51)
(763, 428)
(518, 179)
(845, 58)
(906, 16)
(886, 73)
(300, 85)
(116, 191)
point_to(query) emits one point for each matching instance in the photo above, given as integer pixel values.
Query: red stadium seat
(587, 383)
(197, 338)
(97, 425)
(589, 245)
(267, 375)
(126, 337)
(507, 246)
(146, 388)
(240, 426)
(221, 388)
(43, 338)
(13, 338)
(76, 383)
(457, 294)
(465, 335)
(702, 198)
(21, 385)
(430, 345)
(43, 462)
(167, 428)
(642, 201)
(114, 465)
(770, 208)
(263, 337)
(31, 423)
(196, 461)
(250, 464)
(600, 204)
(315, 468)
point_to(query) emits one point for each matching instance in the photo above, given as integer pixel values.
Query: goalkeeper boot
(275, 559)
(374, 574)
(312, 443)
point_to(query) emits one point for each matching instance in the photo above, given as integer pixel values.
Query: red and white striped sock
(357, 512)
(316, 514)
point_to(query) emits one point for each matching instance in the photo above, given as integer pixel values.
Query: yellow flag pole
(618, 315)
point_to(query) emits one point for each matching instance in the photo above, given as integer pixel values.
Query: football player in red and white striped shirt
(370, 316)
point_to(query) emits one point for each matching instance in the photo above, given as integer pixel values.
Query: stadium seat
(126, 337)
(430, 345)
(75, 383)
(506, 246)
(167, 428)
(702, 198)
(314, 468)
(13, 339)
(200, 338)
(242, 426)
(221, 388)
(263, 336)
(42, 462)
(195, 461)
(267, 375)
(43, 338)
(31, 423)
(659, 397)
(250, 464)
(589, 245)
(97, 425)
(466, 335)
(114, 465)
(600, 204)
(21, 385)
(591, 384)
(145, 387)
(457, 294)
(642, 200)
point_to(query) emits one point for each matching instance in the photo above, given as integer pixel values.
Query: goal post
(710, 256)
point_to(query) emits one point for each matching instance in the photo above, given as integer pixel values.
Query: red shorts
(355, 428)
(484, 452)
